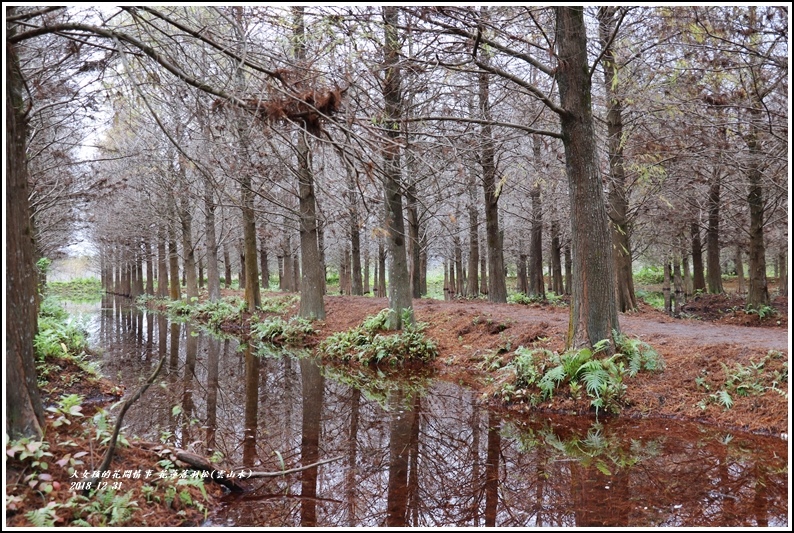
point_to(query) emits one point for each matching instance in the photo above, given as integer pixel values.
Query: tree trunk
(412, 214)
(24, 411)
(484, 273)
(296, 272)
(758, 293)
(593, 308)
(162, 264)
(175, 290)
(264, 267)
(281, 277)
(365, 288)
(400, 302)
(568, 269)
(461, 281)
(666, 289)
(147, 246)
(211, 239)
(188, 252)
(473, 286)
(618, 194)
(523, 282)
(535, 285)
(739, 267)
(782, 284)
(713, 268)
(698, 277)
(241, 278)
(227, 267)
(312, 285)
(687, 277)
(497, 287)
(556, 260)
(200, 266)
(678, 286)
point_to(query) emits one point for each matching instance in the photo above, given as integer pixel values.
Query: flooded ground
(421, 452)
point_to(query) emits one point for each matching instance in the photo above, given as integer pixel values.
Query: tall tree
(400, 302)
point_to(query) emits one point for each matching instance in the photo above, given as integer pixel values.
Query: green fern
(595, 378)
(573, 361)
(43, 517)
(551, 379)
(723, 397)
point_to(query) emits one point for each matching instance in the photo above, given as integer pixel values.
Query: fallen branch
(112, 447)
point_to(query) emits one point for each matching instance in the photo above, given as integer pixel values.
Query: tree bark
(757, 290)
(556, 260)
(147, 246)
(263, 261)
(472, 285)
(213, 271)
(312, 286)
(739, 267)
(227, 266)
(497, 287)
(536, 285)
(188, 251)
(713, 269)
(666, 289)
(698, 276)
(618, 194)
(175, 290)
(400, 302)
(24, 414)
(593, 306)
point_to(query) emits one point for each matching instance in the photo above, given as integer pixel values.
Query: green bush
(276, 330)
(541, 373)
(649, 275)
(370, 344)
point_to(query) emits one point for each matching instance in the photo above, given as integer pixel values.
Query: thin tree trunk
(227, 266)
(211, 240)
(739, 266)
(147, 246)
(618, 194)
(173, 267)
(461, 281)
(484, 273)
(473, 286)
(698, 276)
(687, 277)
(714, 271)
(536, 286)
(264, 267)
(782, 285)
(678, 285)
(666, 289)
(556, 260)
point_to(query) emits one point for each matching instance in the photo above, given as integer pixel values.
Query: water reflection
(425, 453)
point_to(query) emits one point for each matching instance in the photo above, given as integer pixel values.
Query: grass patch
(77, 290)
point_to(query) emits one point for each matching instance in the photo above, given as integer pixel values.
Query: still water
(421, 452)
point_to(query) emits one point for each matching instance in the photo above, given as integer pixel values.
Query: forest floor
(716, 337)
(716, 343)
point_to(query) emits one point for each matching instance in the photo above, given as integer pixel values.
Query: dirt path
(467, 332)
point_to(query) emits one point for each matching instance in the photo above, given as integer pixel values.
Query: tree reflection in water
(425, 453)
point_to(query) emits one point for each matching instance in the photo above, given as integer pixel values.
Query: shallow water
(422, 452)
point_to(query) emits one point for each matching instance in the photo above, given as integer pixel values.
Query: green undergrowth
(550, 298)
(276, 330)
(372, 344)
(60, 341)
(539, 374)
(753, 379)
(77, 290)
